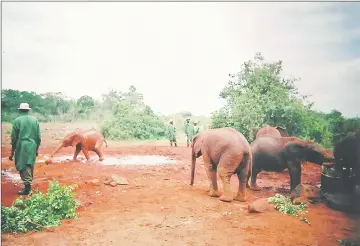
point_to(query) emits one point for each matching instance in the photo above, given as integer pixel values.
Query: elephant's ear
(77, 138)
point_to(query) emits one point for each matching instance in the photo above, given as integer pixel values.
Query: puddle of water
(138, 160)
(10, 176)
(111, 160)
(63, 158)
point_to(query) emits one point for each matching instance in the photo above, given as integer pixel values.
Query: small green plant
(40, 210)
(285, 206)
(348, 243)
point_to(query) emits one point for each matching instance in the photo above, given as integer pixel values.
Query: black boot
(175, 144)
(26, 190)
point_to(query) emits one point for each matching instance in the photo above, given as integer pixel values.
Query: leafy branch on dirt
(285, 206)
(40, 210)
(348, 243)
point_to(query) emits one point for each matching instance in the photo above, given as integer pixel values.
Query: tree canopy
(259, 95)
(255, 96)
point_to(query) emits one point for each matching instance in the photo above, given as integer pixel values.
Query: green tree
(132, 119)
(258, 95)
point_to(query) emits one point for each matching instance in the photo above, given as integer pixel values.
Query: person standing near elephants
(196, 128)
(188, 129)
(171, 131)
(25, 142)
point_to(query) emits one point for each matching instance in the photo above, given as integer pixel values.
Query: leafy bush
(132, 119)
(43, 209)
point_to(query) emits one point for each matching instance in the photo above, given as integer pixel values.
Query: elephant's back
(268, 130)
(92, 134)
(267, 144)
(230, 138)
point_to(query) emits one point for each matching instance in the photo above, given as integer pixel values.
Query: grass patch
(40, 210)
(284, 205)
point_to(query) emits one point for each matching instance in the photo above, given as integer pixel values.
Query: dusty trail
(158, 207)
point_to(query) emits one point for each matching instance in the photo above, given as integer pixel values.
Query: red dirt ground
(159, 207)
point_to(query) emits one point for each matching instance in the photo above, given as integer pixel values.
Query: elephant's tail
(105, 142)
(193, 162)
(194, 155)
(247, 160)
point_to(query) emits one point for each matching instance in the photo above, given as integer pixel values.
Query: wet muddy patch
(139, 160)
(10, 176)
(149, 160)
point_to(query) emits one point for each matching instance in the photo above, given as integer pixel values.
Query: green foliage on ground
(43, 209)
(259, 95)
(348, 243)
(285, 206)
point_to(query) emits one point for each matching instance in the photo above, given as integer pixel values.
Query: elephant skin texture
(84, 141)
(273, 154)
(347, 155)
(225, 151)
(276, 131)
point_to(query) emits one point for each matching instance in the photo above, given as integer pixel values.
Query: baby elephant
(85, 141)
(226, 151)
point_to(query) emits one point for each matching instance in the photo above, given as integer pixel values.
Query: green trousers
(27, 174)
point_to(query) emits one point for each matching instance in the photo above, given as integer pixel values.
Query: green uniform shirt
(25, 140)
(171, 132)
(189, 130)
(196, 130)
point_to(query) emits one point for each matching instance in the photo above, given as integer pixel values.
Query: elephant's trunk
(61, 145)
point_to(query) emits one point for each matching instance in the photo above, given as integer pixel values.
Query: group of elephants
(226, 151)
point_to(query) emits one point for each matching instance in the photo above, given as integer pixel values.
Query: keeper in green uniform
(196, 128)
(171, 131)
(188, 129)
(25, 142)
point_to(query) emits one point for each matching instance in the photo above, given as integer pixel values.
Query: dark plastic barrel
(333, 182)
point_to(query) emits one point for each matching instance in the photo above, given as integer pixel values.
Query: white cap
(24, 106)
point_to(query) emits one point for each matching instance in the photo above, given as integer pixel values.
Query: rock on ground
(115, 180)
(260, 205)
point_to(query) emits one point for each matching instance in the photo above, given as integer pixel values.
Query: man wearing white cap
(171, 131)
(25, 142)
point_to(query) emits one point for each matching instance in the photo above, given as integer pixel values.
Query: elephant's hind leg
(225, 174)
(242, 174)
(211, 173)
(99, 153)
(255, 169)
(98, 150)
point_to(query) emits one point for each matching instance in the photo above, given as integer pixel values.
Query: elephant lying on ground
(276, 131)
(273, 154)
(86, 141)
(347, 154)
(226, 151)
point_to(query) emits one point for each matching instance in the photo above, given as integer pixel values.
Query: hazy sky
(178, 54)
